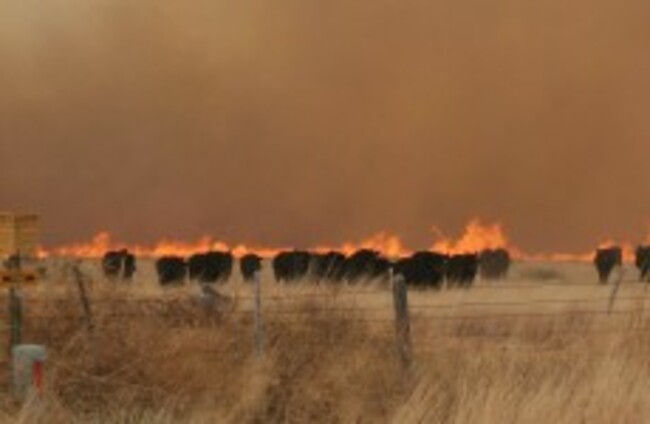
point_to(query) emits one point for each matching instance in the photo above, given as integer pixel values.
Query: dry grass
(487, 355)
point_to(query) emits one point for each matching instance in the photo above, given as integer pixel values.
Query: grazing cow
(642, 261)
(119, 265)
(606, 260)
(327, 266)
(462, 269)
(172, 270)
(423, 269)
(291, 266)
(210, 267)
(365, 265)
(494, 264)
(249, 265)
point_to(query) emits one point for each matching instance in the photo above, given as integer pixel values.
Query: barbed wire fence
(408, 318)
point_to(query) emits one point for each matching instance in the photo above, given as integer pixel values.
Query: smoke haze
(303, 122)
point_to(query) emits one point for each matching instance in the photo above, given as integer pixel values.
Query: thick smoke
(304, 122)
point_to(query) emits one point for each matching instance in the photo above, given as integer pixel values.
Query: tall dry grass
(480, 356)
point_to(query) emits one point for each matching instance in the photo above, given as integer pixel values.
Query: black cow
(172, 270)
(291, 266)
(249, 265)
(494, 264)
(423, 269)
(606, 260)
(461, 269)
(365, 265)
(327, 266)
(642, 261)
(210, 267)
(119, 265)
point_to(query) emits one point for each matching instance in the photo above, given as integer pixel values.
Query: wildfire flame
(476, 237)
(389, 245)
(103, 242)
(627, 248)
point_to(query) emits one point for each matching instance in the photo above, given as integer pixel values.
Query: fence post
(83, 296)
(5, 335)
(87, 311)
(15, 317)
(15, 330)
(28, 371)
(615, 288)
(402, 321)
(257, 315)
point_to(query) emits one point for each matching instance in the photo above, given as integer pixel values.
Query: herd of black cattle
(422, 269)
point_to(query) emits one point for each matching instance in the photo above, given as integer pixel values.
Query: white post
(28, 370)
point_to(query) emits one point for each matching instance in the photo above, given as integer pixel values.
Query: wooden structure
(19, 234)
(19, 242)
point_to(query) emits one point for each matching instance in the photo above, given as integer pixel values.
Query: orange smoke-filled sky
(299, 123)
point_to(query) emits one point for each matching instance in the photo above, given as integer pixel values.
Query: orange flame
(104, 242)
(93, 249)
(627, 248)
(387, 244)
(475, 238)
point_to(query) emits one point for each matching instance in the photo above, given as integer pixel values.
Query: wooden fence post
(83, 297)
(402, 321)
(87, 311)
(15, 317)
(257, 315)
(15, 309)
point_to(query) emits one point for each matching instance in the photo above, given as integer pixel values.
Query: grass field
(537, 348)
